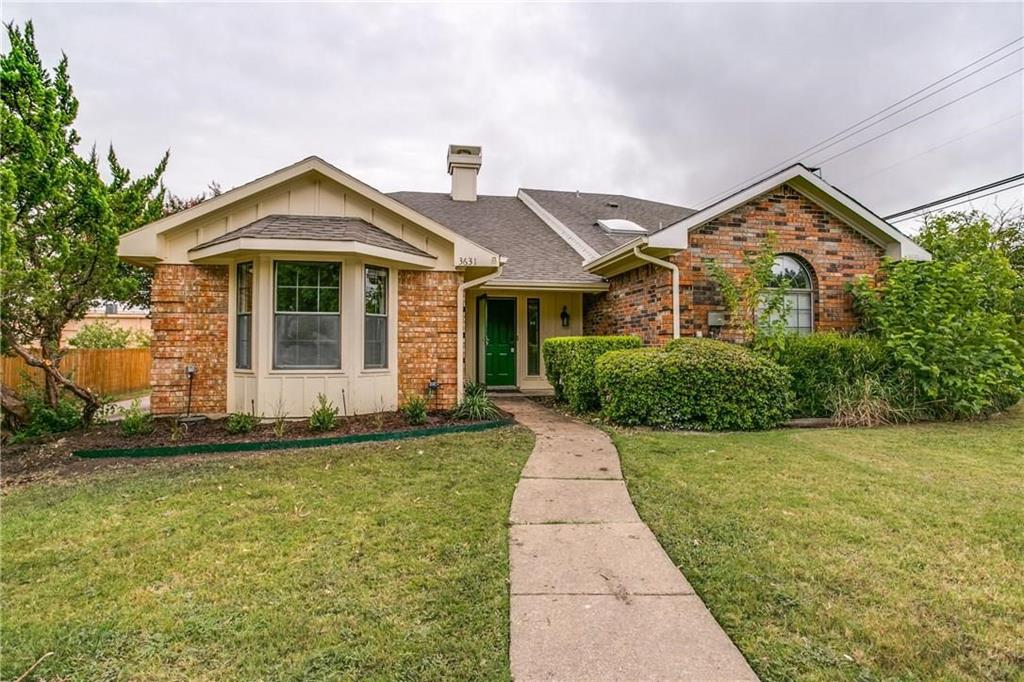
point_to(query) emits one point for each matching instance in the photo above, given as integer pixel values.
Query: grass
(362, 562)
(870, 554)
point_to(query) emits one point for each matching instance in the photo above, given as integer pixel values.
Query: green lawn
(362, 562)
(893, 553)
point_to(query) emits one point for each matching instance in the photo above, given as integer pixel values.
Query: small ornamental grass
(476, 405)
(569, 365)
(698, 384)
(415, 410)
(324, 415)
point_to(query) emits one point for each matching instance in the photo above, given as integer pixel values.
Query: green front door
(500, 343)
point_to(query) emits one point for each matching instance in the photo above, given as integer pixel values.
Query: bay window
(307, 315)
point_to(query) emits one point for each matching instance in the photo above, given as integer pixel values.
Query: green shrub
(415, 410)
(43, 419)
(324, 415)
(473, 389)
(476, 407)
(821, 364)
(241, 422)
(697, 384)
(135, 421)
(951, 326)
(569, 364)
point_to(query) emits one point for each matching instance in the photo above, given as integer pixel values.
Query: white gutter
(460, 324)
(675, 285)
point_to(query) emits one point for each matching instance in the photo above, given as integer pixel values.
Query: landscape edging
(252, 446)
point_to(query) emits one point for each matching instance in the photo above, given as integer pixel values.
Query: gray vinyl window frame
(247, 315)
(275, 313)
(532, 346)
(377, 316)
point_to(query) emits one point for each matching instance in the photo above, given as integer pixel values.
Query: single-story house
(308, 281)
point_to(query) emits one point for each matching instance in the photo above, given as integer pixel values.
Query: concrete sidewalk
(593, 595)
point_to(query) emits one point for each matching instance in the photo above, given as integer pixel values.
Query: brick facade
(428, 336)
(190, 327)
(640, 301)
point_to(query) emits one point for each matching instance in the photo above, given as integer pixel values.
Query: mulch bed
(52, 457)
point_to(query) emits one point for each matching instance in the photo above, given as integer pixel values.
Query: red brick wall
(640, 301)
(428, 334)
(190, 327)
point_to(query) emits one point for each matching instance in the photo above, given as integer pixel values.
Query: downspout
(675, 284)
(460, 325)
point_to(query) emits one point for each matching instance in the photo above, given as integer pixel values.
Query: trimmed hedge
(699, 384)
(822, 364)
(569, 365)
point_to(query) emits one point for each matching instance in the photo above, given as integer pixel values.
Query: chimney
(463, 166)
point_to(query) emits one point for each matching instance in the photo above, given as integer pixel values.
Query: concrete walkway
(593, 595)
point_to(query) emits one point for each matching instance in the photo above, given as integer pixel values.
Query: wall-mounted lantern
(565, 316)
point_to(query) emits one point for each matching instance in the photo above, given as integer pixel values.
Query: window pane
(329, 300)
(375, 289)
(243, 342)
(790, 273)
(244, 286)
(287, 274)
(308, 274)
(533, 336)
(308, 297)
(375, 347)
(307, 341)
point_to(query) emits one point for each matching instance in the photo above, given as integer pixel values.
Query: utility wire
(918, 118)
(971, 133)
(878, 113)
(964, 201)
(959, 195)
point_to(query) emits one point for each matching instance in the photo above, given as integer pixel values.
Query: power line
(880, 112)
(964, 201)
(936, 147)
(960, 195)
(918, 118)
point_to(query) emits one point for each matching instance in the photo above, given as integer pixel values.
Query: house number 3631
(463, 260)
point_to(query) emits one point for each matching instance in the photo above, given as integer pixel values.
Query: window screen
(307, 323)
(375, 324)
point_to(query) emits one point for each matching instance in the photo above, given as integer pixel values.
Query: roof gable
(896, 244)
(143, 244)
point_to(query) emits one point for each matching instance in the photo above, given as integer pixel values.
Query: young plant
(415, 410)
(280, 418)
(324, 415)
(178, 430)
(476, 406)
(241, 422)
(135, 421)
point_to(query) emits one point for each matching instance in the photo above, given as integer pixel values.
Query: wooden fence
(109, 372)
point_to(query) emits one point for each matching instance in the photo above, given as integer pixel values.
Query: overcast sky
(670, 102)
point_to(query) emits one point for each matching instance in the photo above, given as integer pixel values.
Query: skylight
(620, 226)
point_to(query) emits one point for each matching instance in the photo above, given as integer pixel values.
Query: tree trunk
(15, 412)
(51, 356)
(90, 401)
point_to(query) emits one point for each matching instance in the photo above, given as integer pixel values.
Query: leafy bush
(821, 364)
(135, 421)
(693, 384)
(473, 389)
(415, 410)
(102, 334)
(324, 415)
(476, 406)
(953, 326)
(569, 364)
(241, 422)
(43, 419)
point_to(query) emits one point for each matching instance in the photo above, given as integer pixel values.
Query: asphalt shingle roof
(580, 211)
(326, 228)
(508, 227)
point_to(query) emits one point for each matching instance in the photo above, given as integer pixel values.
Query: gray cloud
(672, 102)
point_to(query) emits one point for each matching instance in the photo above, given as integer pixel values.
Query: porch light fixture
(565, 316)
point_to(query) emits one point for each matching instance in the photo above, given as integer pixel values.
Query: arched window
(795, 277)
